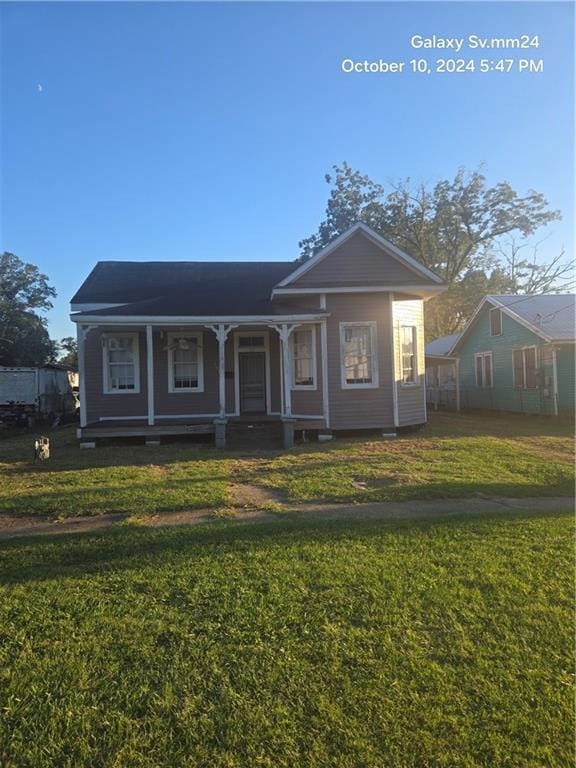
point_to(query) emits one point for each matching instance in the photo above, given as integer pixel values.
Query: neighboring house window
(303, 359)
(121, 363)
(358, 355)
(483, 367)
(495, 322)
(185, 370)
(408, 352)
(525, 368)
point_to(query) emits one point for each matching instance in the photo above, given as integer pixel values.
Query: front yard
(341, 644)
(455, 456)
(348, 643)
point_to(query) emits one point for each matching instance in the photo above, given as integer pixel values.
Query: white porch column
(81, 331)
(150, 373)
(222, 330)
(286, 364)
(284, 332)
(393, 348)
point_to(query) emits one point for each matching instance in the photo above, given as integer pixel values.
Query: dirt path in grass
(258, 508)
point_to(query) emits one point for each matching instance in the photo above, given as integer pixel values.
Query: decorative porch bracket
(284, 330)
(222, 330)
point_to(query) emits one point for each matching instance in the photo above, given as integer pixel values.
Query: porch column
(284, 332)
(222, 330)
(150, 373)
(81, 331)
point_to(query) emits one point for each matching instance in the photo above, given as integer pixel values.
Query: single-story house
(334, 343)
(442, 373)
(516, 353)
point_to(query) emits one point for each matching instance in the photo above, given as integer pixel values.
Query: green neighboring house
(517, 354)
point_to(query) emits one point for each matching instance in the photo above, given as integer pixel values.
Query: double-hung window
(185, 370)
(121, 363)
(483, 369)
(304, 358)
(358, 355)
(408, 353)
(525, 368)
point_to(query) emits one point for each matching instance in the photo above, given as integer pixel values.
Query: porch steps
(245, 435)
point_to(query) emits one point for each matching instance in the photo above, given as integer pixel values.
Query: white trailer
(39, 389)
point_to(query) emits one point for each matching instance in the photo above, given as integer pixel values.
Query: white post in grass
(150, 373)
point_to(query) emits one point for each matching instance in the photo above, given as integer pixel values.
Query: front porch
(200, 378)
(220, 428)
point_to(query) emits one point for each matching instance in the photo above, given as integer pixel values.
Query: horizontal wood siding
(411, 402)
(308, 402)
(358, 261)
(565, 365)
(360, 408)
(183, 403)
(503, 396)
(123, 404)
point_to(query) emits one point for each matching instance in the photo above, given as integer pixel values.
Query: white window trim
(299, 387)
(416, 382)
(105, 369)
(536, 364)
(483, 356)
(495, 309)
(372, 324)
(199, 338)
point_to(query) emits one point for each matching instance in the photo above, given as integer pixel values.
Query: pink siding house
(335, 343)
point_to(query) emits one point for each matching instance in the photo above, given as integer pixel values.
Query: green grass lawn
(454, 456)
(299, 643)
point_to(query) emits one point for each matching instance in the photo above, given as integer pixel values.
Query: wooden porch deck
(179, 427)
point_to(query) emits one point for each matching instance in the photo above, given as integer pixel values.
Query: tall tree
(449, 227)
(24, 290)
(69, 347)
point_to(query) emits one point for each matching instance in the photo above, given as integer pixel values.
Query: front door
(253, 382)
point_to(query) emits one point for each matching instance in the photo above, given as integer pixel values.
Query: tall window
(303, 358)
(525, 368)
(121, 363)
(185, 363)
(483, 368)
(495, 322)
(358, 355)
(408, 351)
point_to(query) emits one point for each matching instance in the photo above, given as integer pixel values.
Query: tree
(450, 227)
(24, 289)
(27, 342)
(527, 275)
(70, 347)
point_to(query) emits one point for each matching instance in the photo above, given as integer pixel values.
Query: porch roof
(202, 305)
(183, 287)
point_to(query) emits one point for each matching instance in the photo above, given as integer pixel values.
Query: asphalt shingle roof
(197, 288)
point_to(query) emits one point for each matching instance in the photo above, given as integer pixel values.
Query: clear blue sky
(203, 131)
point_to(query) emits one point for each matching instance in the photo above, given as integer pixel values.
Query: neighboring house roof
(442, 346)
(552, 317)
(425, 275)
